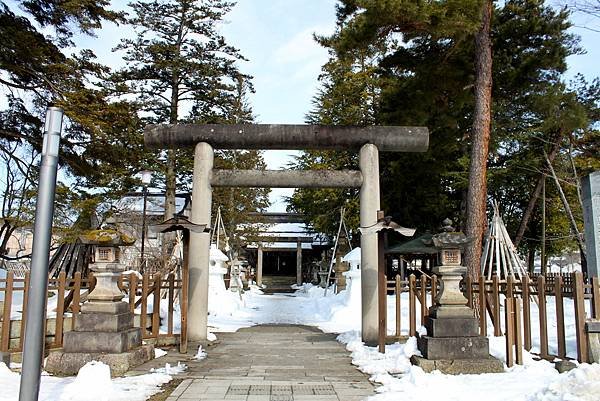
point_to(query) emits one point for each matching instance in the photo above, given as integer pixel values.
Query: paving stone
(260, 389)
(302, 390)
(281, 390)
(272, 363)
(238, 390)
(281, 397)
(323, 390)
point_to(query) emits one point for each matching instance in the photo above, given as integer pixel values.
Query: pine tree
(180, 68)
(425, 72)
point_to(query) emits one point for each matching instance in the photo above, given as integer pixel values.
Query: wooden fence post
(171, 301)
(578, 301)
(132, 288)
(76, 299)
(496, 300)
(60, 305)
(525, 291)
(510, 281)
(509, 330)
(424, 309)
(8, 291)
(24, 313)
(144, 306)
(560, 317)
(482, 307)
(469, 291)
(412, 331)
(518, 333)
(541, 289)
(398, 305)
(156, 306)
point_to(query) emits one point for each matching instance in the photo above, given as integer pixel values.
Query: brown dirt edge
(166, 390)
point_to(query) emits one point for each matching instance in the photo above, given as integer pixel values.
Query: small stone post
(452, 344)
(340, 279)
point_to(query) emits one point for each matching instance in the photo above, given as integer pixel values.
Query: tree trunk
(535, 196)
(170, 173)
(477, 191)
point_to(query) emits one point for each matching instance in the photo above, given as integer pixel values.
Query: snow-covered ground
(535, 380)
(93, 383)
(340, 313)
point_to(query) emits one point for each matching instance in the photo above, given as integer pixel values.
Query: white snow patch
(200, 355)
(170, 370)
(582, 384)
(93, 383)
(159, 352)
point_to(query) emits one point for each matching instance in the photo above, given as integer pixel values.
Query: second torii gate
(368, 140)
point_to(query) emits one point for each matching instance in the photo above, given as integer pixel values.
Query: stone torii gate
(368, 140)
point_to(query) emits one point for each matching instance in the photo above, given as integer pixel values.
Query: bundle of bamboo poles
(499, 254)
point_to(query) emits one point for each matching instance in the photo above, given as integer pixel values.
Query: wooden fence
(508, 306)
(69, 294)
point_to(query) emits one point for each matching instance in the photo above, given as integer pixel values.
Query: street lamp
(33, 348)
(146, 178)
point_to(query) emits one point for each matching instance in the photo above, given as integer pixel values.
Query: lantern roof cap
(106, 237)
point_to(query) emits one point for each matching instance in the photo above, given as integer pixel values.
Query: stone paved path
(274, 363)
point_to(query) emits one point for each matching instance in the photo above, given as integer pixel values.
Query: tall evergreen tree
(425, 73)
(180, 67)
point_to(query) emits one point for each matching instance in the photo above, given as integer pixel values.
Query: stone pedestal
(453, 344)
(104, 329)
(103, 332)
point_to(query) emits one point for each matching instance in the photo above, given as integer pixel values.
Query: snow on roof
(281, 245)
(352, 256)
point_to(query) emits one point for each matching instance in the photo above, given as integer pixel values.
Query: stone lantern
(104, 329)
(341, 267)
(452, 343)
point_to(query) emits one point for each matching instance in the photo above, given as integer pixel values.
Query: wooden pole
(543, 252)
(382, 286)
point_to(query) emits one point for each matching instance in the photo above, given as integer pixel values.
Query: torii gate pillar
(200, 243)
(369, 205)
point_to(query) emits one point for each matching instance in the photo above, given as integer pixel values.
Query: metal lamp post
(33, 348)
(146, 178)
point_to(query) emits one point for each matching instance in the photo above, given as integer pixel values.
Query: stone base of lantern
(454, 346)
(459, 366)
(63, 363)
(103, 332)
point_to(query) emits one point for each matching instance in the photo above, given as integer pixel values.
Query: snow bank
(581, 384)
(401, 380)
(93, 383)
